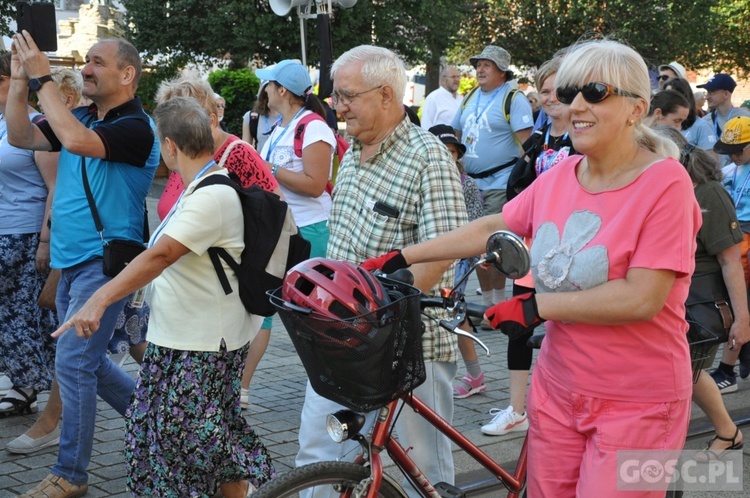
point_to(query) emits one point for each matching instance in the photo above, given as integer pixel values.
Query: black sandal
(25, 406)
(709, 454)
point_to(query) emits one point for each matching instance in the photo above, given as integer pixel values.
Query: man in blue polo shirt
(114, 140)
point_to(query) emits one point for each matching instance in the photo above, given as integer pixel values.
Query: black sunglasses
(662, 77)
(592, 93)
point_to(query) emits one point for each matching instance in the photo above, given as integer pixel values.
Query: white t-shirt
(189, 310)
(439, 107)
(279, 150)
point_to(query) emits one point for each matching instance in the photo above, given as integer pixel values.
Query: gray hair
(380, 66)
(187, 124)
(444, 71)
(611, 62)
(127, 55)
(700, 165)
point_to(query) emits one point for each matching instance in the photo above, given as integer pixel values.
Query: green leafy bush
(239, 88)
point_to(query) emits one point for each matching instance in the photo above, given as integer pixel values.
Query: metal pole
(302, 39)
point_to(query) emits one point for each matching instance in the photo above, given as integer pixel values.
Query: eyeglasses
(347, 98)
(662, 77)
(593, 93)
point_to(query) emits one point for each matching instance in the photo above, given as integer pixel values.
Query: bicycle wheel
(334, 478)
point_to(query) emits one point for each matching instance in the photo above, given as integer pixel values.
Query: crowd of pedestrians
(600, 132)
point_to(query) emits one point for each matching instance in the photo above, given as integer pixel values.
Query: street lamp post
(307, 9)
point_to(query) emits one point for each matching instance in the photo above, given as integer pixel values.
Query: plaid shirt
(414, 173)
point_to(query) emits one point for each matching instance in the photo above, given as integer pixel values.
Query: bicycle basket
(364, 362)
(701, 341)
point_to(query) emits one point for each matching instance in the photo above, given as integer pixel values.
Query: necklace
(627, 168)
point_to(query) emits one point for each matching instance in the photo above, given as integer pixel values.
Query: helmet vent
(340, 310)
(304, 286)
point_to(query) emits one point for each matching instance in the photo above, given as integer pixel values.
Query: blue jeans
(83, 370)
(431, 451)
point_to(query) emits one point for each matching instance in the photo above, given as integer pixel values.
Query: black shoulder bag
(524, 169)
(119, 252)
(709, 315)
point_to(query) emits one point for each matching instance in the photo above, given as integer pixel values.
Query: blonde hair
(189, 84)
(546, 70)
(68, 81)
(611, 62)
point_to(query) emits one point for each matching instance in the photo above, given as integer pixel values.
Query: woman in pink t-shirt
(612, 254)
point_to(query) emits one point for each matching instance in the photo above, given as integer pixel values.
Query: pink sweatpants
(573, 439)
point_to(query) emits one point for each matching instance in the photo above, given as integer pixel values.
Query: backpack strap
(253, 125)
(466, 100)
(219, 252)
(299, 132)
(506, 113)
(507, 103)
(229, 148)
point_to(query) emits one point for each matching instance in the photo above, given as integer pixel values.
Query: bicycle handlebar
(453, 302)
(462, 310)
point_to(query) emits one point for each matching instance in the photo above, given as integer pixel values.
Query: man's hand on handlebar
(515, 316)
(387, 263)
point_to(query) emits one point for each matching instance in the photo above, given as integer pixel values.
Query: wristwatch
(36, 83)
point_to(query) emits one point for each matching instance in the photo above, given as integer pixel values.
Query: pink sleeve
(169, 196)
(667, 240)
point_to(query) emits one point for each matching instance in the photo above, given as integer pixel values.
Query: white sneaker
(5, 385)
(505, 421)
(244, 398)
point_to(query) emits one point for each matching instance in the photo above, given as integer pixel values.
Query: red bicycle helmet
(337, 290)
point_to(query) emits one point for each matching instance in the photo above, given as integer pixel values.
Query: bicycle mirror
(511, 258)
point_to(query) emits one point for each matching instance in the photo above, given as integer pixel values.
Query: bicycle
(335, 365)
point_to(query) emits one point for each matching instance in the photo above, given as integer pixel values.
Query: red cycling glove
(387, 263)
(516, 316)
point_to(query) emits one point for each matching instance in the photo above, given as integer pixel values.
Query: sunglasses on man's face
(593, 93)
(662, 77)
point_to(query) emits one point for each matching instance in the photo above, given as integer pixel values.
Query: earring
(630, 122)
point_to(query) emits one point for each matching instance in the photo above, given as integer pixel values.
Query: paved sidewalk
(276, 401)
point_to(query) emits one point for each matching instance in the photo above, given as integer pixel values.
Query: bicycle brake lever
(453, 326)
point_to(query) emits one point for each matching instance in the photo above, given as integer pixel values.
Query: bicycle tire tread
(323, 473)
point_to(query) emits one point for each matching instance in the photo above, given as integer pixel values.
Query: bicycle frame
(382, 439)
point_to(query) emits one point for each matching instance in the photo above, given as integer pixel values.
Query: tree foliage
(239, 88)
(7, 14)
(699, 33)
(242, 31)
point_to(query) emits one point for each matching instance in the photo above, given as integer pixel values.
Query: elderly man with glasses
(396, 185)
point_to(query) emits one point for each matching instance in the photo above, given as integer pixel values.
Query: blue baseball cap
(719, 82)
(288, 73)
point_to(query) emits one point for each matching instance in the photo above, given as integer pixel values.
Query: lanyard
(281, 135)
(717, 130)
(163, 224)
(742, 189)
(479, 97)
(269, 127)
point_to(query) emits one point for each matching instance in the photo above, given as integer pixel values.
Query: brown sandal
(708, 454)
(56, 487)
